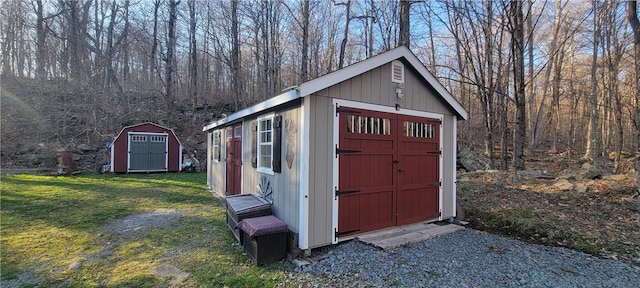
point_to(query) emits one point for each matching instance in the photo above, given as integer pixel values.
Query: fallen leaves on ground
(598, 221)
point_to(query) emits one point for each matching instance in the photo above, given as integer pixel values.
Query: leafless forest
(551, 76)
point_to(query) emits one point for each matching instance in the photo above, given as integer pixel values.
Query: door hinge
(345, 110)
(338, 234)
(435, 184)
(338, 151)
(343, 192)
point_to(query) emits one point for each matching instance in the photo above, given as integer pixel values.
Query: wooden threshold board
(397, 236)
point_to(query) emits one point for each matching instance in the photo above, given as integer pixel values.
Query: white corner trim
(303, 193)
(454, 146)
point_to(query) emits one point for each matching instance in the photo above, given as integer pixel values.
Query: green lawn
(48, 223)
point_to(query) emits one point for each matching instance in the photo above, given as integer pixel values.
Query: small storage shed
(370, 146)
(146, 147)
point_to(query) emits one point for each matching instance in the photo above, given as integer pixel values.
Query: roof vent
(397, 72)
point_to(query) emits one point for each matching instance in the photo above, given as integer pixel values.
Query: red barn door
(388, 167)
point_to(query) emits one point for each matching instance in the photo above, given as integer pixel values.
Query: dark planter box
(264, 239)
(240, 207)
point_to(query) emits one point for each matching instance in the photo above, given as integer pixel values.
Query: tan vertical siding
(286, 185)
(449, 163)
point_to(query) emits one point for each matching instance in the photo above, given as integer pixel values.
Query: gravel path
(467, 258)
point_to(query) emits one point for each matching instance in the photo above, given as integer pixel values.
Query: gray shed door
(147, 152)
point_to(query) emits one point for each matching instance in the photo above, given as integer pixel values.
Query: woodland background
(552, 76)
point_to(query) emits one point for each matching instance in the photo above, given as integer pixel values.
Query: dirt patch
(176, 275)
(138, 225)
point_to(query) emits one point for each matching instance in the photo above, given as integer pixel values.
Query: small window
(419, 130)
(368, 125)
(157, 138)
(397, 72)
(265, 144)
(139, 138)
(216, 141)
(237, 131)
(229, 132)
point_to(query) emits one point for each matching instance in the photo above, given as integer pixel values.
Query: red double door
(388, 170)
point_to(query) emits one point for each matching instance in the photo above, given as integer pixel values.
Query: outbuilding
(369, 146)
(145, 147)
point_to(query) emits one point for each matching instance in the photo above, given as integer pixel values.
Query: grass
(49, 222)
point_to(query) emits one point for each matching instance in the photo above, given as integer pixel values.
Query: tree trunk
(193, 57)
(40, 42)
(235, 57)
(305, 42)
(632, 15)
(153, 68)
(170, 58)
(343, 44)
(405, 8)
(593, 148)
(519, 84)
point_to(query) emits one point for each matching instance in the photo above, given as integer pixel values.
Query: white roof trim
(350, 71)
(264, 105)
(333, 78)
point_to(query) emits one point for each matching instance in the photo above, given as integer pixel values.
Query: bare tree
(517, 48)
(404, 24)
(345, 37)
(632, 16)
(193, 55)
(170, 59)
(594, 138)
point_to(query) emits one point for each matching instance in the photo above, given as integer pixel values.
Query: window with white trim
(139, 138)
(265, 144)
(216, 141)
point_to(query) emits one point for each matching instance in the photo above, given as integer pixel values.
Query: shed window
(368, 125)
(419, 130)
(265, 144)
(139, 138)
(215, 140)
(157, 138)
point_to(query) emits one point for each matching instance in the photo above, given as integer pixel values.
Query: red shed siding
(121, 152)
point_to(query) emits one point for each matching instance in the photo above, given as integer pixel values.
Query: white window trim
(218, 145)
(265, 170)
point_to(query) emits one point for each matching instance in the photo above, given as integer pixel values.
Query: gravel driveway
(467, 258)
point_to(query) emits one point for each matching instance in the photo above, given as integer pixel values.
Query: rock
(586, 166)
(581, 188)
(615, 177)
(591, 174)
(569, 174)
(85, 148)
(621, 188)
(75, 265)
(632, 204)
(472, 161)
(563, 185)
(76, 157)
(534, 174)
